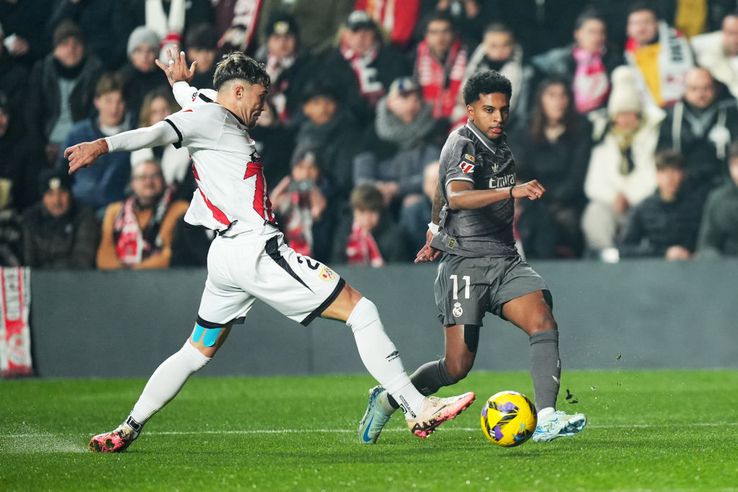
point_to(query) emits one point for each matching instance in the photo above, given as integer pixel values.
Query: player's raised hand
(532, 190)
(176, 68)
(83, 154)
(427, 252)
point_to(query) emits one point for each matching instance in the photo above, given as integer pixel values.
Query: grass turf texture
(662, 430)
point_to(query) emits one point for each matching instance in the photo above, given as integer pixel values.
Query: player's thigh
(297, 286)
(462, 290)
(222, 304)
(342, 306)
(530, 312)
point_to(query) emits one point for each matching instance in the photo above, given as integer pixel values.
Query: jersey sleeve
(188, 96)
(192, 128)
(460, 162)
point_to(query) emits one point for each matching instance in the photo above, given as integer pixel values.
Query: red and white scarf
(370, 86)
(362, 249)
(441, 82)
(132, 245)
(298, 223)
(591, 84)
(397, 17)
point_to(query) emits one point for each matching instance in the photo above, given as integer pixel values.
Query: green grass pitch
(648, 430)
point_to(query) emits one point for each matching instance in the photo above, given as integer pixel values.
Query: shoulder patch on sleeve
(467, 164)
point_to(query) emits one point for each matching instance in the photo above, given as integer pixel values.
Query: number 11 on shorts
(466, 280)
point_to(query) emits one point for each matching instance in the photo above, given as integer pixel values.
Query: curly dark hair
(236, 65)
(486, 82)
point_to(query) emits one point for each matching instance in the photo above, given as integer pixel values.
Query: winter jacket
(67, 242)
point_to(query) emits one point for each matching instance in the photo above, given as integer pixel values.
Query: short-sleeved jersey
(469, 155)
(232, 192)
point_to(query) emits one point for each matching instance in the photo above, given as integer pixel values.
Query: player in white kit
(248, 259)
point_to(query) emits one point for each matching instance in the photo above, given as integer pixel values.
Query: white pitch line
(351, 431)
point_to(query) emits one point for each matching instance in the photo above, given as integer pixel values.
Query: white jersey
(232, 193)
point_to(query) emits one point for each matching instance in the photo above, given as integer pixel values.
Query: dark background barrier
(639, 314)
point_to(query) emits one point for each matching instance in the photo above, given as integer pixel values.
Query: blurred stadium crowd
(626, 112)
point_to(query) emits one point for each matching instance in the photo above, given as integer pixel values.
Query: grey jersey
(469, 155)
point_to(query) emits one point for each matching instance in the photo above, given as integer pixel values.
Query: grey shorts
(468, 288)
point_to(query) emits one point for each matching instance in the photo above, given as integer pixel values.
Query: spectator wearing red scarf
(368, 236)
(440, 63)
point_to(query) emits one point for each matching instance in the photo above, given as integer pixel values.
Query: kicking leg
(163, 385)
(461, 348)
(383, 362)
(532, 314)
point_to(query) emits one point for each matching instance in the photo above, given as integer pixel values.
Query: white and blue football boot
(558, 424)
(378, 413)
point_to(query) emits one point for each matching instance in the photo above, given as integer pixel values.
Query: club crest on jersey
(458, 310)
(326, 274)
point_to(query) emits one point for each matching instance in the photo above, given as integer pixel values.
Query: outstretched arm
(463, 196)
(85, 153)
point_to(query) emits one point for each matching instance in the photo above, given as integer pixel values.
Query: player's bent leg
(163, 385)
(382, 360)
(461, 350)
(461, 346)
(532, 314)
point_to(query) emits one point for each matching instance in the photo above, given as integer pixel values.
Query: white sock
(545, 412)
(166, 381)
(381, 358)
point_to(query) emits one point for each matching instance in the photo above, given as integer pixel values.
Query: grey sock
(545, 367)
(428, 378)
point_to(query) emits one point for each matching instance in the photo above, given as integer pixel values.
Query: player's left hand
(427, 253)
(176, 68)
(84, 154)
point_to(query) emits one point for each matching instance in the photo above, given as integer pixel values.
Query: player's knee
(364, 314)
(196, 356)
(457, 368)
(541, 322)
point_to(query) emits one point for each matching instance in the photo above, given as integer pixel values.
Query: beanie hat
(624, 96)
(65, 30)
(142, 35)
(53, 179)
(281, 23)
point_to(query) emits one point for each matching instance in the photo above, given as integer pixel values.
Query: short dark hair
(587, 15)
(640, 5)
(366, 197)
(486, 82)
(497, 26)
(439, 15)
(236, 65)
(107, 83)
(669, 159)
(201, 37)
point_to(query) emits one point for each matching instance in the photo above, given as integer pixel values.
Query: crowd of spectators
(625, 111)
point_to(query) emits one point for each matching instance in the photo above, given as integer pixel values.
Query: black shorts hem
(324, 305)
(210, 324)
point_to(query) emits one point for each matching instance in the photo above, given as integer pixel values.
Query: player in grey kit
(481, 270)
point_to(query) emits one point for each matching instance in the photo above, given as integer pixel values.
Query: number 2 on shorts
(466, 279)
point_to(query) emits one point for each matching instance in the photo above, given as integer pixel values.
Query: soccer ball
(508, 418)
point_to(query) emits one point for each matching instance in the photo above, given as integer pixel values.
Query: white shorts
(244, 268)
